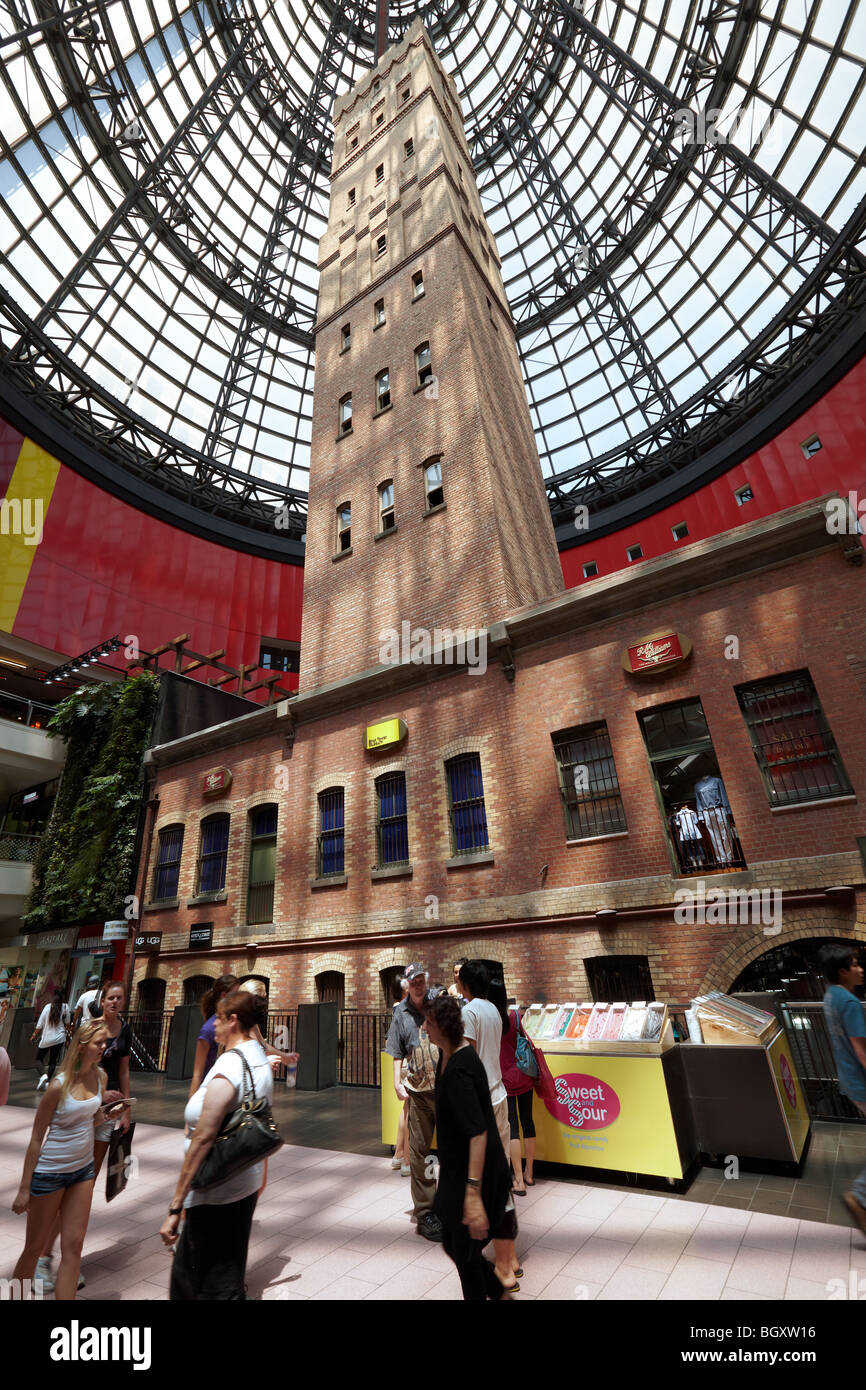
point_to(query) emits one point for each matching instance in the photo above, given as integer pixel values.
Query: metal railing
(150, 1032)
(282, 1032)
(23, 711)
(809, 1038)
(362, 1037)
(18, 849)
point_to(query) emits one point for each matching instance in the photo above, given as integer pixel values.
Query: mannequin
(714, 809)
(688, 832)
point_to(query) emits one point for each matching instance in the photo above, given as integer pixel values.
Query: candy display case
(624, 1029)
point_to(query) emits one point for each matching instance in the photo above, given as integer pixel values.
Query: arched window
(390, 981)
(344, 527)
(167, 868)
(466, 804)
(151, 996)
(263, 861)
(383, 389)
(213, 853)
(345, 420)
(331, 836)
(433, 484)
(331, 988)
(387, 514)
(423, 368)
(195, 987)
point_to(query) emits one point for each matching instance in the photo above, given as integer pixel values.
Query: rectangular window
(345, 414)
(433, 485)
(351, 197)
(404, 93)
(280, 656)
(214, 853)
(344, 528)
(387, 515)
(811, 446)
(590, 569)
(467, 811)
(680, 531)
(346, 337)
(392, 824)
(383, 390)
(263, 863)
(381, 245)
(408, 148)
(423, 368)
(792, 741)
(634, 552)
(380, 173)
(168, 858)
(331, 838)
(743, 494)
(691, 794)
(378, 313)
(417, 284)
(619, 977)
(588, 782)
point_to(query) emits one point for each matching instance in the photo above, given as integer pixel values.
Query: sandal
(519, 1191)
(530, 1182)
(509, 1288)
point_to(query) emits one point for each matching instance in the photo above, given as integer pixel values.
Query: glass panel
(674, 726)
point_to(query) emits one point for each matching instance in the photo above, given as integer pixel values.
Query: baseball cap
(414, 970)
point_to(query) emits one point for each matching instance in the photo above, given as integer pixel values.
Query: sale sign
(583, 1102)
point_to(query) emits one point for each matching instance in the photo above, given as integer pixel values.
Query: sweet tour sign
(384, 734)
(660, 651)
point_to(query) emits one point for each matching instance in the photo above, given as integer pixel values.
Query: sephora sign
(583, 1102)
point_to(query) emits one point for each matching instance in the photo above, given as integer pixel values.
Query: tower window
(331, 837)
(345, 414)
(351, 197)
(418, 284)
(381, 245)
(590, 569)
(387, 515)
(378, 313)
(383, 390)
(680, 531)
(346, 336)
(743, 494)
(379, 118)
(376, 85)
(344, 527)
(423, 368)
(404, 93)
(409, 148)
(433, 484)
(380, 173)
(811, 446)
(634, 552)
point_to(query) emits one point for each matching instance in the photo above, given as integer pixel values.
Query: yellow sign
(383, 735)
(612, 1112)
(790, 1093)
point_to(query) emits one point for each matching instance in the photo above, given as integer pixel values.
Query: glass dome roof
(676, 188)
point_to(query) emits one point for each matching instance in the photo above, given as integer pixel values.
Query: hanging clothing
(687, 824)
(710, 795)
(716, 822)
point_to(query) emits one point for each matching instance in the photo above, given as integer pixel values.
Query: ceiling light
(7, 661)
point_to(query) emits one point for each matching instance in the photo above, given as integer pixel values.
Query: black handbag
(248, 1135)
(117, 1163)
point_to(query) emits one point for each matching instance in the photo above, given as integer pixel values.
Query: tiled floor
(336, 1225)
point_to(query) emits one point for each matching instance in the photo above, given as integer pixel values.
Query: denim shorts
(43, 1183)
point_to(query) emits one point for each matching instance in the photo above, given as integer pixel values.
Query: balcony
(17, 852)
(27, 755)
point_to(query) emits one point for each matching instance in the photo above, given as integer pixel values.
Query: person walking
(400, 1159)
(206, 1045)
(483, 1028)
(846, 1024)
(519, 1091)
(407, 1039)
(58, 1177)
(454, 987)
(53, 1029)
(88, 1007)
(115, 1064)
(211, 1255)
(473, 1193)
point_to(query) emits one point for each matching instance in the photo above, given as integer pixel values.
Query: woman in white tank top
(57, 1182)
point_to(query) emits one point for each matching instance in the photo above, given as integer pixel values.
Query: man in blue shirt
(846, 1024)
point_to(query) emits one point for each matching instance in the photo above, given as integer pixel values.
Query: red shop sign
(659, 651)
(216, 782)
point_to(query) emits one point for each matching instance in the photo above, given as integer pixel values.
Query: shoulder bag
(247, 1136)
(523, 1053)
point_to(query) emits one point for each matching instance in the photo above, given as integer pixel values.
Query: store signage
(385, 734)
(788, 1081)
(148, 940)
(216, 782)
(115, 931)
(583, 1102)
(201, 936)
(54, 940)
(660, 651)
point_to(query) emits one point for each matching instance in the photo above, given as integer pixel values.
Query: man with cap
(408, 1039)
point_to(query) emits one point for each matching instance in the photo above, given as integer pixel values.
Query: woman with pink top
(518, 1088)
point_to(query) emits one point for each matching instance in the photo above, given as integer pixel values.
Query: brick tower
(427, 503)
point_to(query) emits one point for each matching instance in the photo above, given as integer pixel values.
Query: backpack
(523, 1053)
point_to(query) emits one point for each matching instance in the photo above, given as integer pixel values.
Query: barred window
(331, 838)
(168, 855)
(213, 854)
(791, 739)
(588, 782)
(263, 861)
(466, 809)
(392, 827)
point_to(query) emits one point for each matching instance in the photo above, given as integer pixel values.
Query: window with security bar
(331, 838)
(792, 741)
(391, 825)
(213, 854)
(168, 855)
(466, 804)
(588, 782)
(263, 861)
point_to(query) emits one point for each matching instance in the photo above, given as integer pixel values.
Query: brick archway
(733, 959)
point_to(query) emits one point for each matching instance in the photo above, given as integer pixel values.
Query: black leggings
(477, 1276)
(521, 1104)
(210, 1260)
(53, 1055)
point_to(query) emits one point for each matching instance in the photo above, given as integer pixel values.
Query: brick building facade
(523, 861)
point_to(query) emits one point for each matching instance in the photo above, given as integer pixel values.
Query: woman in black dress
(474, 1186)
